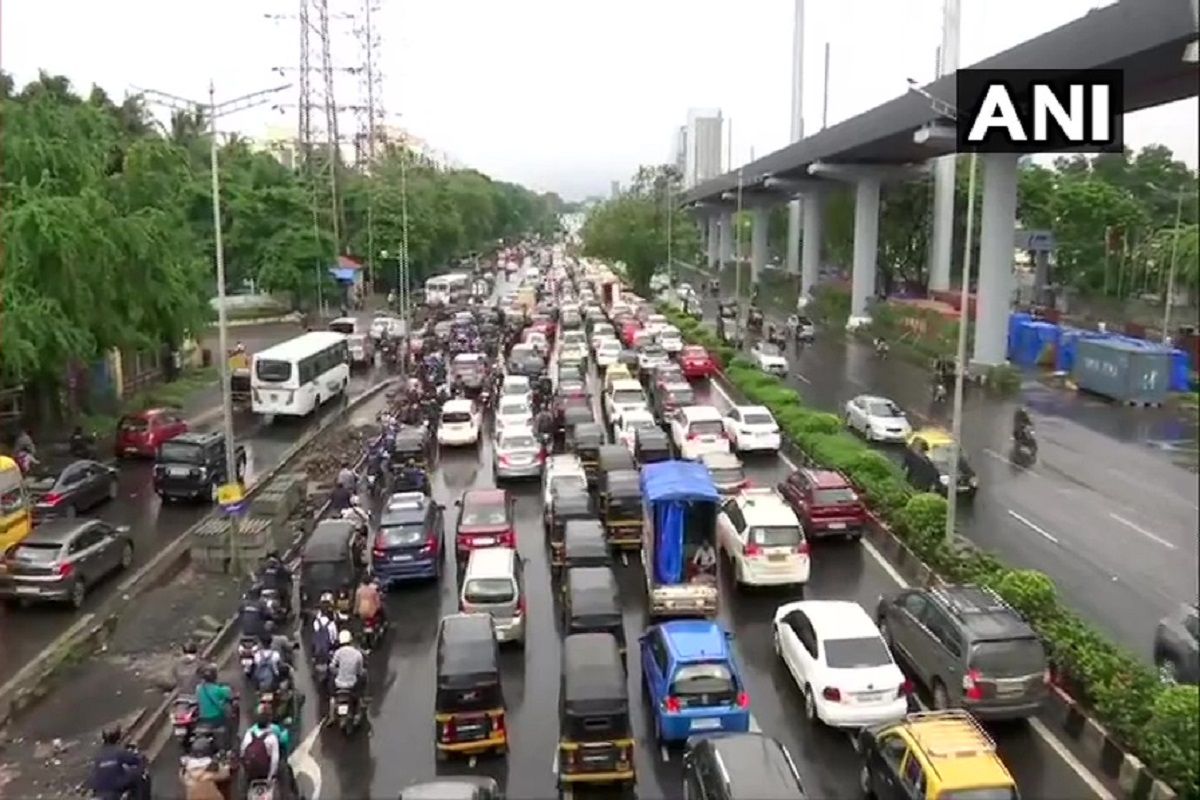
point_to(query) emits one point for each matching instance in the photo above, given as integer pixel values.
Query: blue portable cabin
(681, 505)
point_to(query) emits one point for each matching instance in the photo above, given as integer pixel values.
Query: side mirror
(457, 503)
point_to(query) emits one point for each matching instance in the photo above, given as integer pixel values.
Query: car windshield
(521, 442)
(858, 653)
(180, 452)
(768, 349)
(834, 497)
(757, 418)
(488, 515)
(456, 417)
(512, 387)
(653, 351)
(668, 335)
(707, 427)
(270, 370)
(573, 337)
(34, 553)
(694, 352)
(488, 590)
(1009, 658)
(405, 535)
(571, 386)
(134, 424)
(884, 410)
(775, 535)
(628, 396)
(710, 678)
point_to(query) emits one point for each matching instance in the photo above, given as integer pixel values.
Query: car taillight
(521, 606)
(832, 694)
(449, 729)
(508, 538)
(753, 550)
(1047, 677)
(66, 570)
(970, 685)
(801, 549)
(52, 499)
(905, 689)
(672, 705)
(380, 551)
(743, 700)
(498, 724)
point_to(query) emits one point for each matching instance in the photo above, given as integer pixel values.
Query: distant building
(616, 190)
(702, 146)
(679, 152)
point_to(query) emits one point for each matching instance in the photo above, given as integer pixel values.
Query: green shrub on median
(1154, 721)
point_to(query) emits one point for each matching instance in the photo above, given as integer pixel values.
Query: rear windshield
(1012, 658)
(775, 536)
(834, 497)
(400, 536)
(611, 346)
(466, 367)
(708, 427)
(514, 409)
(654, 351)
(518, 443)
(994, 793)
(682, 397)
(758, 419)
(768, 349)
(180, 452)
(456, 417)
(623, 396)
(272, 371)
(38, 553)
(134, 424)
(868, 651)
(712, 678)
(346, 328)
(515, 387)
(489, 590)
(485, 515)
(727, 474)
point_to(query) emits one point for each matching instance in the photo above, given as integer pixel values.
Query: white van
(698, 431)
(493, 584)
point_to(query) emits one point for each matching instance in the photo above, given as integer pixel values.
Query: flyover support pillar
(866, 247)
(758, 243)
(998, 221)
(795, 218)
(725, 245)
(943, 224)
(713, 242)
(810, 256)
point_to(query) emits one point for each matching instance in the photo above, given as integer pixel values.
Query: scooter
(261, 790)
(1025, 445)
(185, 712)
(372, 632)
(247, 647)
(345, 710)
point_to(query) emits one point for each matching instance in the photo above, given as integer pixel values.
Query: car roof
(516, 379)
(873, 398)
(695, 640)
(753, 410)
(147, 413)
(701, 413)
(982, 612)
(458, 404)
(515, 430)
(837, 619)
(621, 384)
(764, 505)
(958, 749)
(469, 357)
(490, 562)
(757, 765)
(826, 478)
(56, 531)
(484, 496)
(639, 414)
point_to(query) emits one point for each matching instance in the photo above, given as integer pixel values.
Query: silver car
(519, 454)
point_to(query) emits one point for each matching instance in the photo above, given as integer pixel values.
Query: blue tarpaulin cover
(669, 486)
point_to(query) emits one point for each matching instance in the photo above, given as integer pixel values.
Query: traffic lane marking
(1134, 526)
(1033, 526)
(1037, 726)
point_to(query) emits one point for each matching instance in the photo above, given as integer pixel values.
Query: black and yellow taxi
(595, 744)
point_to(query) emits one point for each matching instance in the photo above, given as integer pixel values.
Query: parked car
(825, 503)
(67, 489)
(60, 560)
(877, 419)
(141, 433)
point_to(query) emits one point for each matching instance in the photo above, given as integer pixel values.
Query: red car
(825, 503)
(629, 331)
(696, 362)
(485, 519)
(140, 434)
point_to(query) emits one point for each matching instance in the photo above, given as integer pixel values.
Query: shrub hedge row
(1158, 723)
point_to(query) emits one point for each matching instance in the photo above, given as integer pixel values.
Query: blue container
(1035, 342)
(1015, 323)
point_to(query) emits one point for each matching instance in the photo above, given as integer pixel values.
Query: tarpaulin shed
(677, 480)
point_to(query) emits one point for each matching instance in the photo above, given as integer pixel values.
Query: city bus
(295, 377)
(16, 513)
(443, 289)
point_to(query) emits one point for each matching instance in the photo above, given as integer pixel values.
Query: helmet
(208, 672)
(264, 638)
(111, 735)
(345, 637)
(202, 747)
(326, 598)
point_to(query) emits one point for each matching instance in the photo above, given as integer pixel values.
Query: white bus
(295, 377)
(442, 289)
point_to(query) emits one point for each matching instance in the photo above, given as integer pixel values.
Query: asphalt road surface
(1108, 512)
(399, 749)
(24, 632)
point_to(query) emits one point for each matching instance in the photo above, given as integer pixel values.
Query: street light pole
(1170, 293)
(737, 256)
(670, 210)
(961, 357)
(216, 110)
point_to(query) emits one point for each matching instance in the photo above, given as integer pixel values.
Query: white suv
(760, 535)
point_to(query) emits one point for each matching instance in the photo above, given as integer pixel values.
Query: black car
(65, 490)
(192, 465)
(928, 468)
(739, 766)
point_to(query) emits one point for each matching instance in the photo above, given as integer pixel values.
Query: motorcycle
(1024, 444)
(939, 392)
(274, 605)
(345, 710)
(261, 790)
(247, 647)
(372, 632)
(881, 348)
(185, 712)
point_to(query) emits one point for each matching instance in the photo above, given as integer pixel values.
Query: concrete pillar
(997, 224)
(866, 248)
(942, 241)
(810, 260)
(726, 239)
(758, 242)
(713, 241)
(795, 216)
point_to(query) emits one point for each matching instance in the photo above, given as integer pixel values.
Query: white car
(877, 419)
(652, 356)
(602, 331)
(513, 412)
(769, 358)
(460, 423)
(394, 328)
(759, 532)
(624, 394)
(655, 323)
(517, 386)
(626, 427)
(607, 352)
(697, 431)
(752, 428)
(670, 339)
(841, 664)
(564, 470)
(537, 340)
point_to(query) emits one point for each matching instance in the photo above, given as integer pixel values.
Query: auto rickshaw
(651, 445)
(410, 444)
(468, 710)
(240, 395)
(590, 603)
(584, 545)
(565, 506)
(575, 414)
(331, 561)
(595, 742)
(584, 439)
(621, 509)
(614, 458)
(754, 319)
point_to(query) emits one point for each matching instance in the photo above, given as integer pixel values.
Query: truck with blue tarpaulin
(679, 539)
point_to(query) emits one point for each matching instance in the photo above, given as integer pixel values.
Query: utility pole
(825, 92)
(737, 255)
(370, 118)
(214, 111)
(796, 206)
(670, 214)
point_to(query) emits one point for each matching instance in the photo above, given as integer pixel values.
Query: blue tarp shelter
(670, 487)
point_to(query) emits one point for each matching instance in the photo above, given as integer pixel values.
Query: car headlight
(945, 480)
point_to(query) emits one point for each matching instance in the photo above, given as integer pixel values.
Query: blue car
(693, 680)
(408, 541)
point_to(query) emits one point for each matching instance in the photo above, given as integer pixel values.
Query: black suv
(192, 465)
(739, 766)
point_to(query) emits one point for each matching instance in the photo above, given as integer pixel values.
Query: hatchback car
(60, 560)
(825, 503)
(739, 766)
(693, 680)
(66, 490)
(969, 648)
(518, 454)
(460, 423)
(408, 539)
(769, 358)
(485, 519)
(140, 434)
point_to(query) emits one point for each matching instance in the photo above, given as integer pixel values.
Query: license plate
(706, 725)
(777, 557)
(131, 449)
(27, 590)
(402, 558)
(180, 730)
(837, 526)
(484, 542)
(178, 472)
(869, 697)
(343, 708)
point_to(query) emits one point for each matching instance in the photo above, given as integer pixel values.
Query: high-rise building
(702, 146)
(616, 189)
(680, 150)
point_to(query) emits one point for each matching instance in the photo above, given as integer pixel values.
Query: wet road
(24, 632)
(400, 749)
(1106, 511)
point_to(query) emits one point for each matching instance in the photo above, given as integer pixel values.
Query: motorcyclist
(368, 605)
(202, 774)
(348, 666)
(544, 423)
(251, 614)
(276, 575)
(1021, 424)
(340, 498)
(80, 443)
(458, 386)
(325, 630)
(346, 477)
(24, 443)
(793, 323)
(186, 672)
(881, 345)
(264, 750)
(117, 771)
(216, 705)
(279, 642)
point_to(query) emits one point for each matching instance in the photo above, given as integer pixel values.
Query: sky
(559, 95)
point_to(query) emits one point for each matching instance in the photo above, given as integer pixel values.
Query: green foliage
(1030, 592)
(1174, 722)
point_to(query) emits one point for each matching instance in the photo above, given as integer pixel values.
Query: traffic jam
(602, 578)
